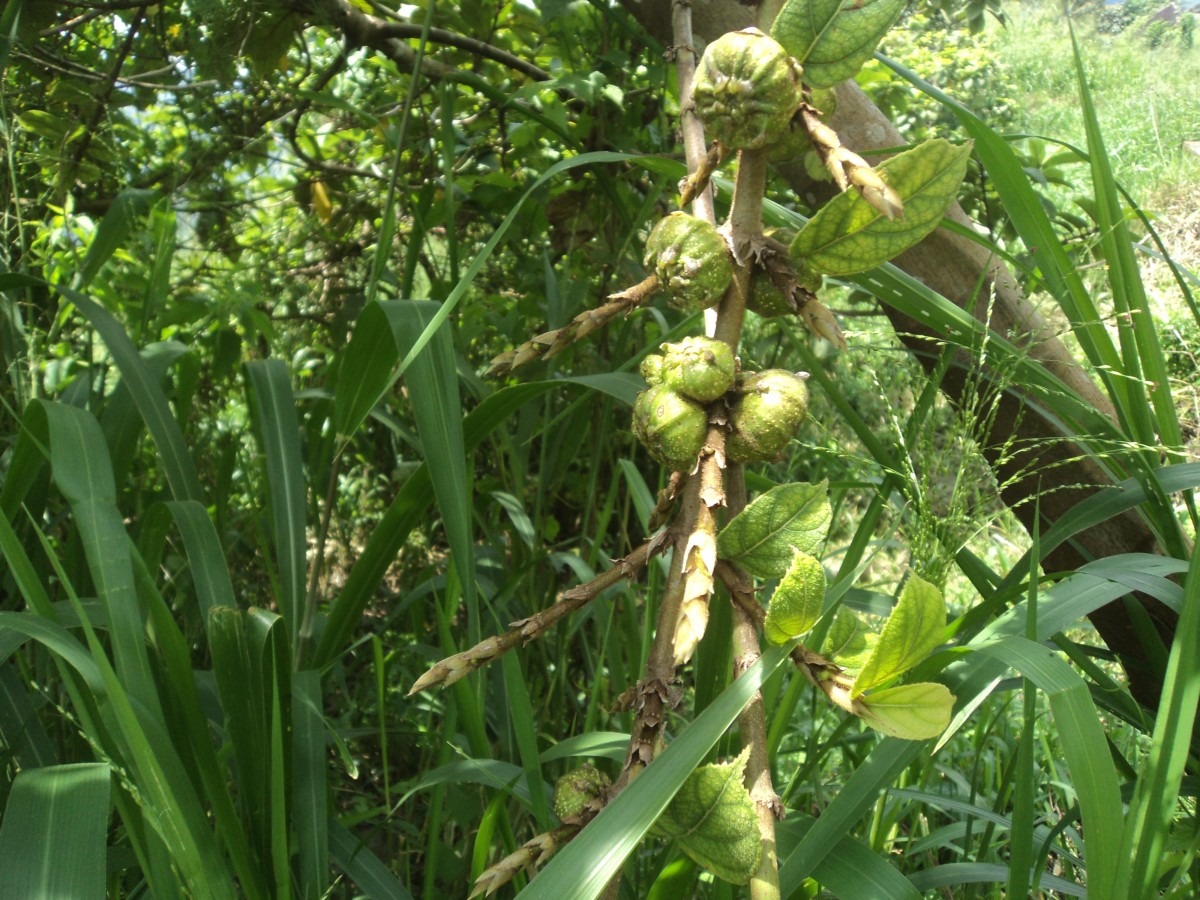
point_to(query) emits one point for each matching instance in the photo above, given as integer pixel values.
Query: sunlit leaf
(915, 712)
(911, 632)
(762, 538)
(796, 603)
(832, 38)
(849, 642)
(849, 235)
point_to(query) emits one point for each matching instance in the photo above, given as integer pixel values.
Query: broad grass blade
(1153, 810)
(582, 869)
(173, 451)
(279, 431)
(1082, 736)
(53, 833)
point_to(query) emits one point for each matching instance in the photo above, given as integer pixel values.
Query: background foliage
(242, 513)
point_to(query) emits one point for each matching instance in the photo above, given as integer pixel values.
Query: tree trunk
(1056, 471)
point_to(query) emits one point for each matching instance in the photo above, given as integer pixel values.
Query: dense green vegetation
(259, 469)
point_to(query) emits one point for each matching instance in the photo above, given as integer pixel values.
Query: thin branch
(365, 30)
(455, 667)
(552, 343)
(89, 128)
(691, 128)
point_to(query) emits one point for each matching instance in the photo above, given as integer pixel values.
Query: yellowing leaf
(915, 712)
(832, 38)
(796, 604)
(849, 235)
(714, 820)
(763, 536)
(321, 203)
(911, 632)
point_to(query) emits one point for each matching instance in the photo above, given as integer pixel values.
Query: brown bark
(1051, 468)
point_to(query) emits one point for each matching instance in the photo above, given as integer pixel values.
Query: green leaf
(715, 822)
(796, 604)
(278, 429)
(914, 712)
(848, 235)
(833, 38)
(913, 629)
(763, 536)
(52, 841)
(1080, 731)
(849, 643)
(127, 207)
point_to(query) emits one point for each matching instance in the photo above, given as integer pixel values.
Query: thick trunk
(1054, 470)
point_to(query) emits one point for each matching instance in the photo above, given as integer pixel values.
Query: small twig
(817, 670)
(367, 30)
(666, 500)
(691, 129)
(89, 129)
(698, 181)
(535, 852)
(551, 343)
(772, 256)
(453, 668)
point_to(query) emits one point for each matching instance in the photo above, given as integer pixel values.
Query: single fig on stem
(767, 298)
(578, 788)
(672, 427)
(691, 260)
(766, 415)
(747, 89)
(700, 368)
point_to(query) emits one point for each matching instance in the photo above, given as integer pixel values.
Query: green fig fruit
(747, 89)
(577, 789)
(691, 260)
(766, 415)
(766, 299)
(700, 368)
(672, 427)
(652, 369)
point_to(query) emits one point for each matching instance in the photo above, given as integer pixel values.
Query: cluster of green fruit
(747, 92)
(671, 417)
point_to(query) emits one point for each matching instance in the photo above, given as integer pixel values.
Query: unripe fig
(652, 369)
(577, 789)
(747, 89)
(766, 416)
(765, 298)
(691, 260)
(824, 100)
(672, 427)
(700, 368)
